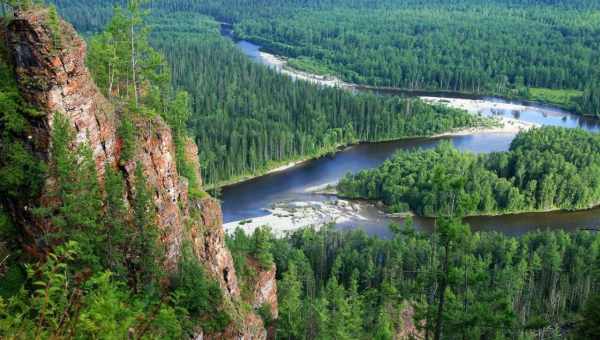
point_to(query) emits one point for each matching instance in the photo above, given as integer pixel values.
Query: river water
(249, 200)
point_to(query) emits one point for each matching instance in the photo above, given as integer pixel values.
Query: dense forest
(545, 51)
(103, 276)
(545, 168)
(502, 47)
(456, 284)
(248, 119)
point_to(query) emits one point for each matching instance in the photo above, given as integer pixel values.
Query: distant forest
(546, 168)
(247, 119)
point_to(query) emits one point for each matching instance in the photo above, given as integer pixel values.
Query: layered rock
(208, 239)
(52, 76)
(155, 153)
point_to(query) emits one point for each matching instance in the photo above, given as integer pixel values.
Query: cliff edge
(52, 77)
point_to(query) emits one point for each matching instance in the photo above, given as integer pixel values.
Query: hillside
(89, 210)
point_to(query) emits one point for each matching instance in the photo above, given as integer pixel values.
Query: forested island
(544, 169)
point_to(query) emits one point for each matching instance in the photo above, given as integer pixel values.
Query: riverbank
(281, 64)
(308, 183)
(502, 125)
(496, 125)
(564, 99)
(479, 106)
(284, 217)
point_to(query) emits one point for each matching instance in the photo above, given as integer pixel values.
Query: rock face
(265, 289)
(208, 239)
(409, 329)
(155, 153)
(55, 79)
(191, 156)
(52, 76)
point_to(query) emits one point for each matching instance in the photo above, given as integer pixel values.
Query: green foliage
(244, 128)
(384, 329)
(558, 97)
(103, 277)
(591, 100)
(308, 65)
(12, 274)
(589, 327)
(546, 168)
(467, 45)
(65, 304)
(54, 25)
(21, 173)
(290, 323)
(127, 134)
(177, 115)
(20, 4)
(79, 216)
(262, 238)
(116, 221)
(123, 63)
(128, 70)
(199, 295)
(246, 118)
(146, 252)
(334, 284)
(264, 311)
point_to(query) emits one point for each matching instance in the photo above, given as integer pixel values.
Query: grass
(563, 98)
(310, 66)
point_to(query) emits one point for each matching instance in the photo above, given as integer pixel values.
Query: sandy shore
(322, 189)
(287, 166)
(285, 217)
(280, 64)
(505, 124)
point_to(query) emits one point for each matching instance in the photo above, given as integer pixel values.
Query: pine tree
(262, 247)
(118, 230)
(145, 251)
(384, 329)
(80, 215)
(290, 322)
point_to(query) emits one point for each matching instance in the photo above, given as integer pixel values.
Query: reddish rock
(408, 330)
(208, 239)
(191, 156)
(264, 287)
(251, 327)
(155, 153)
(55, 79)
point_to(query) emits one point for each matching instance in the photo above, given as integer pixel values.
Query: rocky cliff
(52, 76)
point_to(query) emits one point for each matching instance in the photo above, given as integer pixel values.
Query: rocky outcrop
(191, 156)
(52, 76)
(408, 328)
(208, 239)
(264, 288)
(155, 153)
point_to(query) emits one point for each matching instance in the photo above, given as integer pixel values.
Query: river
(288, 200)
